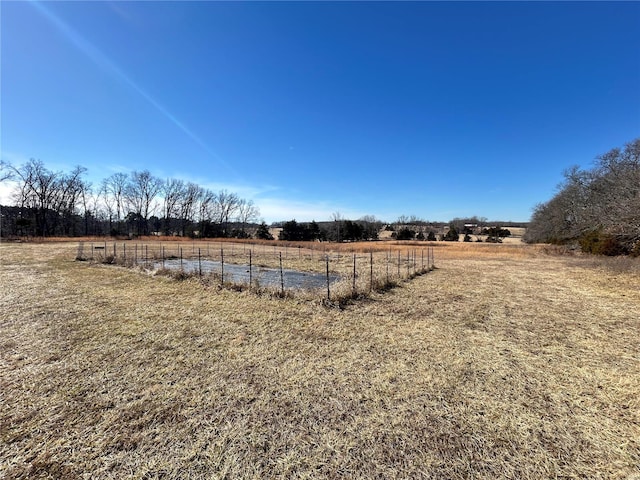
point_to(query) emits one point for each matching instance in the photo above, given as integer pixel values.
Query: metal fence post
(371, 272)
(328, 290)
(354, 275)
(221, 266)
(281, 276)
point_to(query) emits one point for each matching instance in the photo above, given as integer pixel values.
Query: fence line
(343, 275)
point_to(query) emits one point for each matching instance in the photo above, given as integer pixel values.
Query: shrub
(406, 234)
(239, 233)
(599, 243)
(611, 247)
(496, 234)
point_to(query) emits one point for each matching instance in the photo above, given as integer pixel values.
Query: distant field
(504, 362)
(516, 231)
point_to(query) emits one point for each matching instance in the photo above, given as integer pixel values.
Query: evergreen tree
(263, 232)
(451, 235)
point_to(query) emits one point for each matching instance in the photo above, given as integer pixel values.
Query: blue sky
(432, 109)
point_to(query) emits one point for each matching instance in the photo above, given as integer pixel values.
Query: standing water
(264, 276)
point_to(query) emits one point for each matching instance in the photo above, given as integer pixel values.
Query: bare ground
(503, 363)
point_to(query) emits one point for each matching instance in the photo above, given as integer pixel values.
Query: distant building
(471, 228)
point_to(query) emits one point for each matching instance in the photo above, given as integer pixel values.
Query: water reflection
(264, 276)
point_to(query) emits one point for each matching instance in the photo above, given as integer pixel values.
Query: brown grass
(504, 362)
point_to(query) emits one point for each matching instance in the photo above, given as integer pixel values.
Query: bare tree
(206, 209)
(115, 187)
(602, 204)
(57, 202)
(173, 191)
(226, 204)
(70, 190)
(335, 231)
(98, 213)
(188, 205)
(402, 220)
(86, 197)
(615, 191)
(6, 171)
(247, 212)
(108, 203)
(37, 190)
(140, 193)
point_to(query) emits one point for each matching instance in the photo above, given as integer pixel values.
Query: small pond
(264, 276)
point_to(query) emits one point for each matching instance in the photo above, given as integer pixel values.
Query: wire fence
(283, 269)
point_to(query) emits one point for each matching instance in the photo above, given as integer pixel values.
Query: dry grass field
(504, 362)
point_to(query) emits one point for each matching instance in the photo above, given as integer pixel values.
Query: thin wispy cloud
(110, 67)
(277, 209)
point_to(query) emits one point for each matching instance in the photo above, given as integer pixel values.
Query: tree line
(338, 230)
(368, 228)
(54, 203)
(597, 209)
